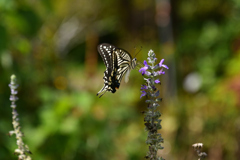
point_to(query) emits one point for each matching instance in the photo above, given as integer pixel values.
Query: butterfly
(118, 62)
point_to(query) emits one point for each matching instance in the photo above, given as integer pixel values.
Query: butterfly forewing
(106, 50)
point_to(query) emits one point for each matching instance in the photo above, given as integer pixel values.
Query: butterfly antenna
(134, 49)
(138, 51)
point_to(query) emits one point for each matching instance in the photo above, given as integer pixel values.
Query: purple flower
(157, 81)
(162, 65)
(154, 88)
(156, 94)
(144, 87)
(147, 73)
(151, 60)
(160, 72)
(143, 70)
(144, 93)
(147, 79)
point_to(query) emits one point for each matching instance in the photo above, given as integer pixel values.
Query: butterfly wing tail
(105, 87)
(102, 91)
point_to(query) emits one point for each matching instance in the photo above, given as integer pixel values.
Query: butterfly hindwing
(124, 63)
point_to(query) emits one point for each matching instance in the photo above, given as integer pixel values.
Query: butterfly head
(134, 63)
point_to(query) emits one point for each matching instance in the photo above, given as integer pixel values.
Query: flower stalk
(152, 119)
(22, 149)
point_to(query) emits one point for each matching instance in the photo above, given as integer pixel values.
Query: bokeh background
(51, 46)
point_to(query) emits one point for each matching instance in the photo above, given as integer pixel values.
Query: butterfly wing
(124, 61)
(109, 57)
(106, 50)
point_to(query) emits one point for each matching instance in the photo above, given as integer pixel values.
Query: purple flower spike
(144, 93)
(143, 69)
(162, 65)
(157, 81)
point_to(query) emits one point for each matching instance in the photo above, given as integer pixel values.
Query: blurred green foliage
(51, 47)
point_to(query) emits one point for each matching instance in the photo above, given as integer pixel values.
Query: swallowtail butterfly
(117, 62)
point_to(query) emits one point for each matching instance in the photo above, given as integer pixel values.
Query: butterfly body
(117, 62)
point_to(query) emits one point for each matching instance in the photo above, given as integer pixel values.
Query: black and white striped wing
(110, 75)
(106, 52)
(124, 61)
